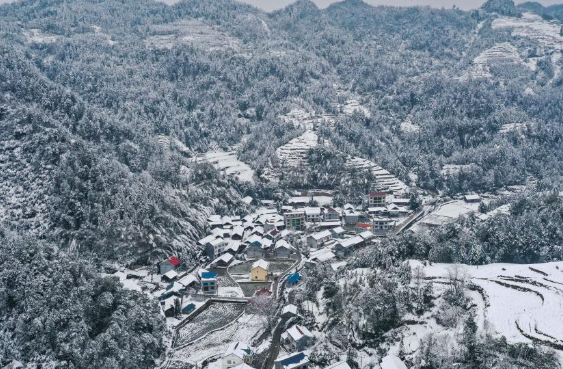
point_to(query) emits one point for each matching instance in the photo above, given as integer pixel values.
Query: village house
(472, 198)
(298, 338)
(351, 217)
(299, 201)
(344, 247)
(328, 225)
(189, 281)
(260, 270)
(273, 235)
(267, 246)
(377, 198)
(331, 214)
(206, 239)
(237, 233)
(313, 215)
(269, 204)
(169, 276)
(316, 240)
(289, 311)
(254, 250)
(337, 232)
(283, 249)
(233, 247)
(223, 261)
(215, 248)
(236, 354)
(320, 256)
(169, 306)
(297, 360)
(382, 225)
(401, 202)
(339, 365)
(295, 220)
(209, 282)
(169, 264)
(214, 221)
(349, 206)
(367, 236)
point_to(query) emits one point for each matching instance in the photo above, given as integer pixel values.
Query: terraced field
(216, 316)
(537, 289)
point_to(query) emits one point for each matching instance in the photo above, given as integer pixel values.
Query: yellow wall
(259, 274)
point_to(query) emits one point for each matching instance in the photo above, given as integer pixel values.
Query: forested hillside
(89, 88)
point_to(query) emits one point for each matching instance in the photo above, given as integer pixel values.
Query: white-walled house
(318, 239)
(237, 353)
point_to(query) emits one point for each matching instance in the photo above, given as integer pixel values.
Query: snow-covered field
(216, 316)
(446, 213)
(522, 302)
(532, 26)
(246, 329)
(229, 163)
(500, 53)
(382, 176)
(295, 152)
(192, 32)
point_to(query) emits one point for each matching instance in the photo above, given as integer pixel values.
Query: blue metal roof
(295, 277)
(208, 275)
(295, 359)
(256, 244)
(189, 308)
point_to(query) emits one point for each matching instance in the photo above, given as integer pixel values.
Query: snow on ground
(382, 177)
(353, 105)
(37, 36)
(192, 32)
(323, 200)
(522, 302)
(533, 26)
(246, 329)
(295, 152)
(228, 162)
(446, 213)
(408, 127)
(503, 52)
(216, 316)
(230, 292)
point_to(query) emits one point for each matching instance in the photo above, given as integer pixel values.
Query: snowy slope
(522, 302)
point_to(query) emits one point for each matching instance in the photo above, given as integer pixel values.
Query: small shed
(293, 279)
(188, 308)
(472, 198)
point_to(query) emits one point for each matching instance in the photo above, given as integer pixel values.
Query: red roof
(263, 291)
(377, 194)
(274, 232)
(174, 261)
(363, 225)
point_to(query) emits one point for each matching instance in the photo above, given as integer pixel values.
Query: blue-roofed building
(209, 282)
(188, 308)
(255, 250)
(296, 360)
(293, 279)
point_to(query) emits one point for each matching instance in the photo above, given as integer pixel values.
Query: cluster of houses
(382, 212)
(261, 235)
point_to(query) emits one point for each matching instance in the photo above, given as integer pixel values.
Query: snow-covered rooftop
(261, 264)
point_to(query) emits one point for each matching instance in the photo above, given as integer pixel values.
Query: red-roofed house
(377, 199)
(168, 265)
